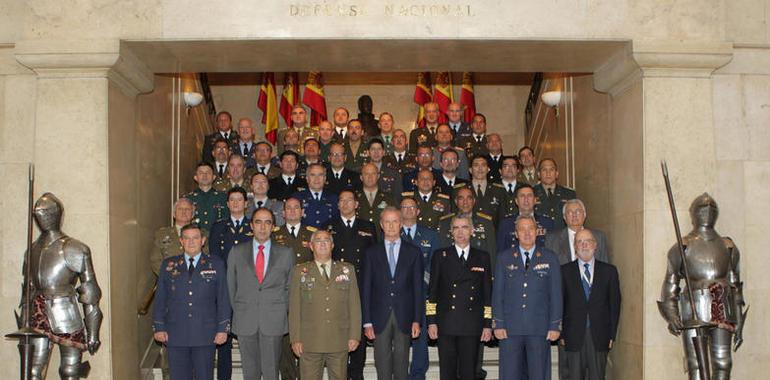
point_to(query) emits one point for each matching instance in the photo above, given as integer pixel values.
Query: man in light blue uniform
(191, 313)
(320, 206)
(427, 241)
(526, 305)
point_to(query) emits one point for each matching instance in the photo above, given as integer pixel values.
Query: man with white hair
(561, 241)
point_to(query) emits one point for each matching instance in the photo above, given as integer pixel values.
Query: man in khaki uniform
(166, 242)
(234, 176)
(324, 312)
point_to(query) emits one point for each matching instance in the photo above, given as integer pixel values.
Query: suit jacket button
(523, 306)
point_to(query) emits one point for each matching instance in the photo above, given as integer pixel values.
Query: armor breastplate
(709, 264)
(54, 277)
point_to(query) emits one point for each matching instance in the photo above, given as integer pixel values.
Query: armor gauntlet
(669, 295)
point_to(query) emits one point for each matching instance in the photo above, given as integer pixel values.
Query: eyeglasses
(322, 241)
(336, 154)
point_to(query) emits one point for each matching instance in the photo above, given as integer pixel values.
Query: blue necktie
(392, 259)
(585, 281)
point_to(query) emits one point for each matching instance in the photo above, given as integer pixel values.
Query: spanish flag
(467, 97)
(442, 94)
(268, 103)
(422, 95)
(314, 98)
(289, 96)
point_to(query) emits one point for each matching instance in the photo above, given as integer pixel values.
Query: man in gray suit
(258, 275)
(562, 242)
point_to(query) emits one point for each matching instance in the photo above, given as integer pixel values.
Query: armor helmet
(704, 211)
(48, 212)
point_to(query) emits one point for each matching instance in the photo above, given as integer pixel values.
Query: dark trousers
(532, 352)
(289, 367)
(457, 356)
(419, 366)
(185, 363)
(356, 360)
(587, 364)
(225, 359)
(391, 351)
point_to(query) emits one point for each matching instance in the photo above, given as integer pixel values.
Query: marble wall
(503, 105)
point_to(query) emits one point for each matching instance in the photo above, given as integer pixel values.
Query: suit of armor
(62, 278)
(713, 265)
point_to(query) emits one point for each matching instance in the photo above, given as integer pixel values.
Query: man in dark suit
(459, 303)
(449, 180)
(562, 241)
(191, 312)
(288, 182)
(353, 236)
(338, 177)
(591, 310)
(224, 131)
(427, 241)
(392, 297)
(494, 156)
(245, 145)
(258, 283)
(527, 305)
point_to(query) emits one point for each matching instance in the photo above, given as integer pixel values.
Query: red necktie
(259, 264)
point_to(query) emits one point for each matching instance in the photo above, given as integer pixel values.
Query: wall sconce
(192, 99)
(552, 99)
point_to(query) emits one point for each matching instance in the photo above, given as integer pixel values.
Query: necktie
(289, 180)
(292, 231)
(392, 258)
(586, 282)
(451, 183)
(325, 273)
(226, 135)
(191, 267)
(350, 224)
(408, 233)
(337, 175)
(262, 169)
(478, 139)
(587, 272)
(550, 192)
(531, 177)
(245, 150)
(400, 157)
(259, 204)
(510, 188)
(462, 256)
(425, 198)
(315, 196)
(259, 264)
(526, 260)
(221, 170)
(479, 192)
(237, 224)
(387, 140)
(432, 131)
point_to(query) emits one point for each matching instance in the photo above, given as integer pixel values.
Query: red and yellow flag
(442, 94)
(314, 97)
(268, 103)
(422, 95)
(468, 98)
(289, 96)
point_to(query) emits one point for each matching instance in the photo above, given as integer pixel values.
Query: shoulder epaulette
(459, 185)
(483, 215)
(443, 196)
(566, 187)
(407, 193)
(447, 216)
(276, 229)
(311, 228)
(500, 185)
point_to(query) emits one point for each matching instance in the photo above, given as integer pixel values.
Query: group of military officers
(335, 198)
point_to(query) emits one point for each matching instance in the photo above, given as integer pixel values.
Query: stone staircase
(490, 365)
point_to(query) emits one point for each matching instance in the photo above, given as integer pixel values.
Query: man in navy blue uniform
(191, 313)
(458, 308)
(226, 234)
(320, 206)
(525, 201)
(526, 305)
(426, 240)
